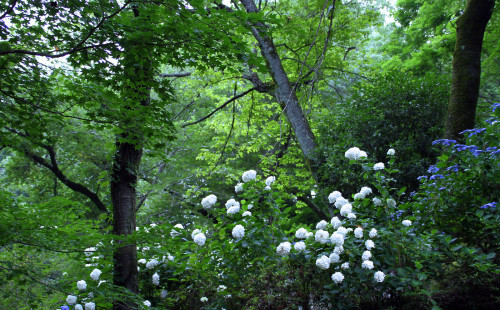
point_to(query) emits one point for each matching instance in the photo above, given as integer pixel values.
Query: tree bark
(284, 92)
(467, 67)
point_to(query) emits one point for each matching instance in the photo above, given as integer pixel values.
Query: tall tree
(467, 67)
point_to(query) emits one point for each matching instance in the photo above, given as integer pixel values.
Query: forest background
(119, 117)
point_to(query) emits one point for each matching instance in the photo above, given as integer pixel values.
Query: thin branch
(219, 108)
(9, 10)
(181, 74)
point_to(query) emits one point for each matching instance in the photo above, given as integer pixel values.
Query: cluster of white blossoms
(71, 299)
(200, 239)
(246, 213)
(152, 263)
(203, 299)
(406, 223)
(379, 166)
(147, 303)
(301, 233)
(95, 274)
(232, 206)
(337, 277)
(174, 232)
(284, 248)
(89, 306)
(238, 231)
(322, 224)
(156, 279)
(323, 262)
(81, 285)
(355, 153)
(221, 288)
(238, 188)
(358, 232)
(365, 191)
(299, 246)
(209, 201)
(249, 175)
(321, 236)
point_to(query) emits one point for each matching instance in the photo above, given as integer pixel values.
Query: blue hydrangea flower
(489, 205)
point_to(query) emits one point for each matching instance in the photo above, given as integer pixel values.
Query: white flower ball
(369, 245)
(336, 223)
(164, 294)
(340, 202)
(71, 299)
(323, 262)
(391, 152)
(141, 261)
(358, 232)
(373, 233)
(346, 209)
(379, 276)
(147, 303)
(238, 188)
(334, 258)
(333, 196)
(249, 175)
(233, 210)
(221, 288)
(232, 202)
(337, 238)
(156, 279)
(338, 249)
(391, 203)
(367, 264)
(152, 263)
(321, 236)
(299, 246)
(200, 239)
(78, 307)
(337, 277)
(195, 232)
(270, 180)
(238, 231)
(353, 153)
(321, 225)
(246, 213)
(406, 223)
(365, 190)
(377, 201)
(267, 188)
(81, 285)
(359, 196)
(344, 266)
(284, 248)
(351, 216)
(94, 275)
(366, 255)
(203, 299)
(342, 230)
(379, 166)
(301, 233)
(89, 306)
(209, 201)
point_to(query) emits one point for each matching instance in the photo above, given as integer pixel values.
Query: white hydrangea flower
(299, 246)
(337, 238)
(377, 201)
(323, 262)
(373, 233)
(284, 248)
(209, 201)
(309, 234)
(152, 263)
(81, 285)
(141, 261)
(379, 276)
(233, 210)
(174, 232)
(359, 196)
(153, 225)
(337, 277)
(270, 180)
(231, 202)
(353, 153)
(406, 223)
(369, 245)
(156, 279)
(238, 188)
(147, 303)
(333, 196)
(379, 166)
(346, 209)
(367, 264)
(89, 306)
(351, 216)
(238, 231)
(203, 299)
(342, 230)
(221, 288)
(321, 236)
(78, 307)
(301, 233)
(365, 190)
(94, 275)
(366, 255)
(200, 239)
(249, 175)
(195, 232)
(391, 203)
(358, 232)
(250, 206)
(71, 299)
(338, 249)
(345, 265)
(267, 188)
(246, 213)
(336, 223)
(322, 224)
(313, 194)
(164, 294)
(362, 155)
(334, 258)
(340, 202)
(391, 152)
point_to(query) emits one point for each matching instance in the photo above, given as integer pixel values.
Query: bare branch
(181, 74)
(9, 9)
(219, 108)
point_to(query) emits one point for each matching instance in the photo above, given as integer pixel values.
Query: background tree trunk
(467, 67)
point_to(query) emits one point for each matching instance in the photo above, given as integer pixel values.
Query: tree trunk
(467, 67)
(284, 93)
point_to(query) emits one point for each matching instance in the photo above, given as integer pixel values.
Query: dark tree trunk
(123, 195)
(467, 67)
